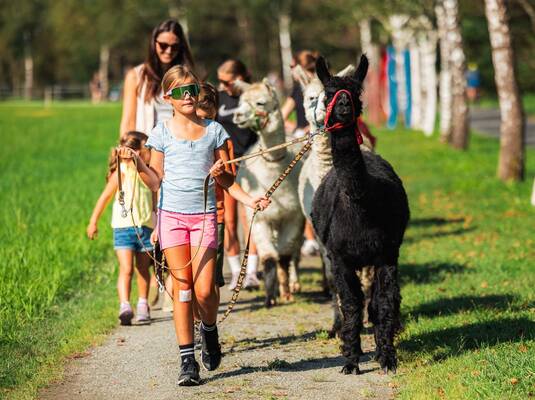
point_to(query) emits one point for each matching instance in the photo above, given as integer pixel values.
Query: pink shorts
(176, 229)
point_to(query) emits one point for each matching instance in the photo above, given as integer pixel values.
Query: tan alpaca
(278, 231)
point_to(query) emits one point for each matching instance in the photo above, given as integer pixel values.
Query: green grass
(467, 271)
(528, 100)
(56, 291)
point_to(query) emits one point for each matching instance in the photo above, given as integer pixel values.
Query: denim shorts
(126, 239)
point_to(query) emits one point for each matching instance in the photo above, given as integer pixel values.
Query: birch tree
(512, 147)
(445, 75)
(459, 133)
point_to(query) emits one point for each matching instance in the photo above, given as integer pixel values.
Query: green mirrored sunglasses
(179, 92)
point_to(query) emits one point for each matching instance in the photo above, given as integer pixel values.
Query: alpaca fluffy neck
(321, 155)
(348, 162)
(272, 135)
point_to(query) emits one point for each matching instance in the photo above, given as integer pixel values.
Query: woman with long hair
(143, 104)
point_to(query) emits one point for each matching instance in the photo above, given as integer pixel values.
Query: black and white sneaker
(189, 372)
(211, 350)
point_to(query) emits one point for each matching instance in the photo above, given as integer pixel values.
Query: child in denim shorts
(129, 241)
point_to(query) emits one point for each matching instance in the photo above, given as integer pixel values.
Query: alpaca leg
(366, 280)
(384, 314)
(270, 281)
(337, 316)
(283, 275)
(295, 286)
(351, 302)
(326, 271)
(268, 259)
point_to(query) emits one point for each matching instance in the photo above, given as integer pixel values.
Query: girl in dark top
(242, 139)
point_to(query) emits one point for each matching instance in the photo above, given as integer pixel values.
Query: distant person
(473, 81)
(184, 150)
(307, 60)
(95, 89)
(242, 139)
(143, 103)
(125, 238)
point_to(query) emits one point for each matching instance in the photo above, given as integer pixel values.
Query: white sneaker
(310, 247)
(251, 282)
(233, 282)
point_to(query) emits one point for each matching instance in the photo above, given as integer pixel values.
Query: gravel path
(269, 354)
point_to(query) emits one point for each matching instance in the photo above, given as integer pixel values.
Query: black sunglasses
(165, 46)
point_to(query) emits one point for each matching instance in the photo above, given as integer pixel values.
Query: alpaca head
(313, 94)
(258, 102)
(343, 110)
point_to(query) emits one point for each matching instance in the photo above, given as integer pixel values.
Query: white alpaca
(277, 231)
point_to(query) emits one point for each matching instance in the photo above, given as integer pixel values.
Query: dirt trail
(269, 354)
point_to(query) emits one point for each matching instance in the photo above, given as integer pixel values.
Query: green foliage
(53, 163)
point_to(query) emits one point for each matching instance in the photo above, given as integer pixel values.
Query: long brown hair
(133, 140)
(153, 69)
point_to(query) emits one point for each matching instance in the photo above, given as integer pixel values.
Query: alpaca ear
(301, 76)
(241, 85)
(362, 69)
(347, 71)
(322, 70)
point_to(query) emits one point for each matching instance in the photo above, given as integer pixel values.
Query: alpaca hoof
(332, 334)
(270, 302)
(295, 287)
(287, 298)
(350, 369)
(386, 369)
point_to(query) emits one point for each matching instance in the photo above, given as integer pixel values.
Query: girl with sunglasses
(184, 150)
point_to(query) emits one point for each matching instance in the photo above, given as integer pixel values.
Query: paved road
(487, 122)
(280, 353)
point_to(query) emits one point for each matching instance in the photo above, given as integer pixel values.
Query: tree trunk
(103, 71)
(459, 133)
(512, 147)
(286, 48)
(416, 86)
(445, 76)
(372, 92)
(428, 46)
(28, 68)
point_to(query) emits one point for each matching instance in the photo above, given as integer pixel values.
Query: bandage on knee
(184, 295)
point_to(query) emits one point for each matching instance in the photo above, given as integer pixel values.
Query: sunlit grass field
(467, 265)
(56, 287)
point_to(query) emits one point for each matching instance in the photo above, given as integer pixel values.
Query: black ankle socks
(208, 328)
(186, 350)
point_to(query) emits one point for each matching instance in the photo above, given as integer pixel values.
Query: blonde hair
(178, 73)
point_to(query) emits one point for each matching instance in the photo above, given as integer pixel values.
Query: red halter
(338, 125)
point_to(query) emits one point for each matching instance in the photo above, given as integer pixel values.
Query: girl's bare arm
(221, 172)
(105, 197)
(242, 196)
(152, 175)
(128, 118)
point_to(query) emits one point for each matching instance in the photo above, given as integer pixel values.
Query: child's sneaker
(143, 313)
(211, 350)
(189, 372)
(126, 314)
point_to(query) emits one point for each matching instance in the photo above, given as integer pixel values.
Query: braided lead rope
(269, 193)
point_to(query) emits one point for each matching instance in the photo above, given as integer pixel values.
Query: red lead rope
(338, 125)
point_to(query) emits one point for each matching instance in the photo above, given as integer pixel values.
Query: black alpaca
(360, 212)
